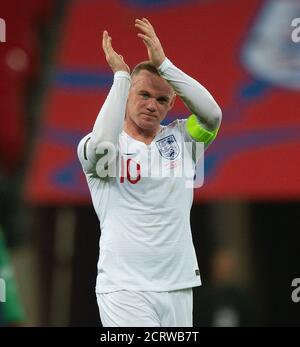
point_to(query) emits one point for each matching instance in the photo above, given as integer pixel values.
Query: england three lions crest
(168, 147)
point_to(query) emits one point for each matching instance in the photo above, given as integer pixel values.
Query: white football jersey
(144, 212)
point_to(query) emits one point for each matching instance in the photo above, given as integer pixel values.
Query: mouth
(149, 115)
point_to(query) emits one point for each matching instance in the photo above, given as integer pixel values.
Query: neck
(143, 135)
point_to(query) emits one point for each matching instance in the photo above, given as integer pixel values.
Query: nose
(151, 105)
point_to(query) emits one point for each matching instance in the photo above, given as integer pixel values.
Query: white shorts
(146, 309)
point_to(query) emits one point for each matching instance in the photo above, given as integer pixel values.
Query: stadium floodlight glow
(2, 30)
(2, 290)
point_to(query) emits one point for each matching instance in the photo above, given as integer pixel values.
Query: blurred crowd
(20, 66)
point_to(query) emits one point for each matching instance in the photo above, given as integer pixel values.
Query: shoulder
(177, 124)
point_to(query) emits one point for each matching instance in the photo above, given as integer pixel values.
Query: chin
(147, 125)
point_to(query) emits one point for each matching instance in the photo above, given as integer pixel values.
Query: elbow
(213, 122)
(216, 117)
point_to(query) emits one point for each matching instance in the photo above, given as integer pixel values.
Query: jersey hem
(149, 289)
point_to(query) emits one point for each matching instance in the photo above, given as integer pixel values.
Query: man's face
(150, 98)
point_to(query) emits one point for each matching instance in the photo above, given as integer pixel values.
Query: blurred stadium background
(245, 219)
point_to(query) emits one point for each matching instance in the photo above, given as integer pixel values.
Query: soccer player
(147, 264)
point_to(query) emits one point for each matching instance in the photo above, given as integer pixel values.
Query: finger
(109, 39)
(146, 23)
(110, 49)
(145, 20)
(143, 23)
(107, 44)
(146, 39)
(144, 28)
(107, 47)
(104, 39)
(139, 20)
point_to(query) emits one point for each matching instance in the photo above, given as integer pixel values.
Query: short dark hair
(145, 65)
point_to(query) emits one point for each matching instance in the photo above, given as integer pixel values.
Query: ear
(172, 102)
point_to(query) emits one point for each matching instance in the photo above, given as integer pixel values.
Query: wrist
(164, 65)
(122, 73)
(120, 68)
(159, 61)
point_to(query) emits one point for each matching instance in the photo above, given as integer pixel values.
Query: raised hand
(155, 51)
(114, 60)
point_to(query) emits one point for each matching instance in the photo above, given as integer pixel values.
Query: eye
(162, 100)
(145, 95)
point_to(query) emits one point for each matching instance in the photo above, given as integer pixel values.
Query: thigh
(181, 308)
(126, 309)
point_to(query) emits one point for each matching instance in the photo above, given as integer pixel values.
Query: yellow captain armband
(198, 133)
